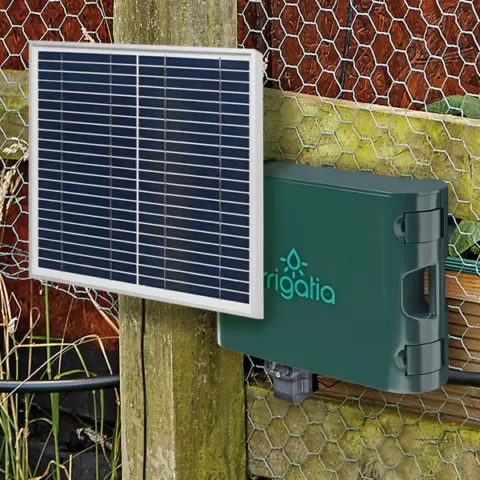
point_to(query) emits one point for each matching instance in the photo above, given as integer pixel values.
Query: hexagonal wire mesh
(364, 60)
(365, 85)
(20, 22)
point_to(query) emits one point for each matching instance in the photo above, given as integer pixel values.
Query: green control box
(346, 255)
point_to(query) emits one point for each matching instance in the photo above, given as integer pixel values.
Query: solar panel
(146, 172)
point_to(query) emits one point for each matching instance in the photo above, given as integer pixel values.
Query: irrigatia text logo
(292, 281)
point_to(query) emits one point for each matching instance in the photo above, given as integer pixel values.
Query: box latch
(422, 227)
(424, 358)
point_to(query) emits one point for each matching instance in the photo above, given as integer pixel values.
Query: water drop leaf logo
(293, 263)
(288, 286)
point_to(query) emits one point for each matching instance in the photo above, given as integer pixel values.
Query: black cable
(144, 385)
(57, 386)
(346, 47)
(456, 377)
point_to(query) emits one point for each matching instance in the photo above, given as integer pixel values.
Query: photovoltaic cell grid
(144, 166)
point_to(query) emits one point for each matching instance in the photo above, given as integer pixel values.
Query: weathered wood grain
(206, 23)
(389, 141)
(463, 286)
(195, 395)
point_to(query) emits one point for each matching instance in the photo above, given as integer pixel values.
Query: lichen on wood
(351, 136)
(195, 396)
(176, 22)
(329, 438)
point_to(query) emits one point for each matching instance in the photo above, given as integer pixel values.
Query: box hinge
(424, 358)
(422, 227)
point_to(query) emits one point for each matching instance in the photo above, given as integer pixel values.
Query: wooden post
(195, 418)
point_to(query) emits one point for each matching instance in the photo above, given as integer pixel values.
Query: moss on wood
(322, 434)
(176, 22)
(318, 131)
(195, 395)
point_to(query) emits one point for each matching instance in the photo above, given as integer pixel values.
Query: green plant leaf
(464, 237)
(467, 106)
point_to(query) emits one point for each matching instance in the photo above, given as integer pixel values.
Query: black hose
(456, 377)
(56, 386)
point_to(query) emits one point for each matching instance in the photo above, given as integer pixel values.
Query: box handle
(414, 303)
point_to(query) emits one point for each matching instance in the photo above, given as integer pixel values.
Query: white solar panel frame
(255, 307)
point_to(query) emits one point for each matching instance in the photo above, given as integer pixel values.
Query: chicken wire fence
(20, 22)
(391, 87)
(383, 73)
